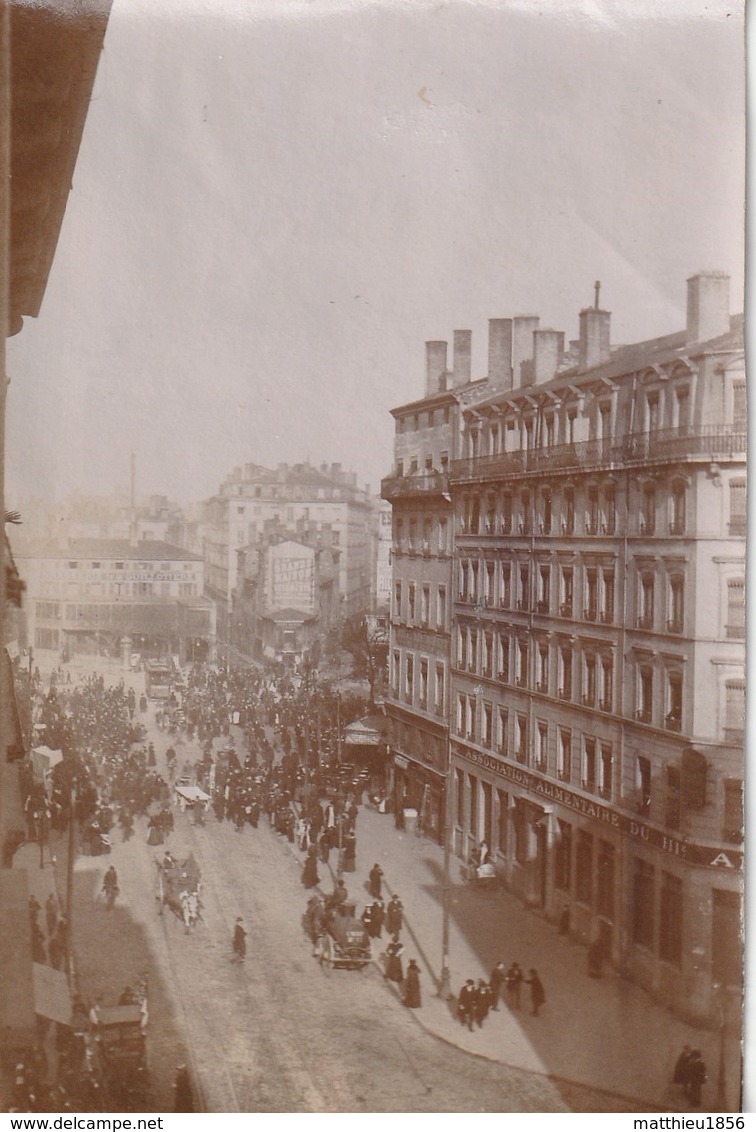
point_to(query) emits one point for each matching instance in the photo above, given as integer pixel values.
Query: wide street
(281, 1034)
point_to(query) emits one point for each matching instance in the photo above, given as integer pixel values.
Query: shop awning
(52, 998)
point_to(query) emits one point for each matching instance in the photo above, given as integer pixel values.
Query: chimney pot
(522, 347)
(708, 306)
(500, 353)
(435, 367)
(594, 343)
(462, 363)
(548, 348)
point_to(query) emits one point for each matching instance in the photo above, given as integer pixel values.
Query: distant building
(326, 500)
(91, 596)
(382, 570)
(595, 589)
(285, 599)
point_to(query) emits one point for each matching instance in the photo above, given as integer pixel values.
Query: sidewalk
(608, 1034)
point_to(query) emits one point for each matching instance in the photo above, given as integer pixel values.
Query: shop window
(563, 856)
(643, 903)
(605, 880)
(584, 867)
(671, 919)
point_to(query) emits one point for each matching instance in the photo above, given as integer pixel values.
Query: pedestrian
(496, 983)
(394, 915)
(513, 981)
(376, 876)
(466, 1004)
(51, 914)
(155, 836)
(239, 942)
(696, 1077)
(310, 876)
(183, 1100)
(367, 919)
(379, 915)
(537, 993)
(394, 953)
(350, 852)
(681, 1074)
(412, 986)
(483, 1001)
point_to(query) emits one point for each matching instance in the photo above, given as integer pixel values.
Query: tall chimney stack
(462, 362)
(594, 344)
(522, 348)
(708, 306)
(548, 348)
(500, 353)
(435, 367)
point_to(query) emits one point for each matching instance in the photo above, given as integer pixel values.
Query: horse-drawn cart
(178, 887)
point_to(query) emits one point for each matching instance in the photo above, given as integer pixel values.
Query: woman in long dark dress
(412, 986)
(310, 872)
(394, 953)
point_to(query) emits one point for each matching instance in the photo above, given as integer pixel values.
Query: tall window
(423, 690)
(395, 672)
(591, 594)
(564, 755)
(738, 516)
(648, 509)
(506, 513)
(409, 680)
(589, 763)
(425, 605)
(608, 509)
(589, 679)
(543, 667)
(439, 696)
(441, 608)
(645, 693)
(544, 587)
(504, 658)
(503, 725)
(490, 583)
(677, 508)
(566, 591)
(521, 722)
(565, 672)
(487, 737)
(592, 512)
(736, 609)
(487, 645)
(544, 521)
(523, 602)
(646, 601)
(542, 745)
(411, 601)
(734, 710)
(605, 770)
(671, 919)
(398, 600)
(643, 903)
(607, 683)
(643, 782)
(673, 718)
(568, 511)
(673, 811)
(522, 663)
(505, 590)
(676, 606)
(525, 525)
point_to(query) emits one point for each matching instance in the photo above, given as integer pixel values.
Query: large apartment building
(326, 499)
(597, 688)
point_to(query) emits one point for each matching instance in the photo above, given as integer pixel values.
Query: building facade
(100, 596)
(595, 603)
(285, 599)
(326, 499)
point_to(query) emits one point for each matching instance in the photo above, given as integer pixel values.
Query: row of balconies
(663, 445)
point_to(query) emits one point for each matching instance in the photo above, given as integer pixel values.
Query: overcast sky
(276, 204)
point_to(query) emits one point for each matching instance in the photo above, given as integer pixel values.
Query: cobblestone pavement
(280, 1034)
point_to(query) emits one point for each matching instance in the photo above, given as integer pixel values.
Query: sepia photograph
(372, 695)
